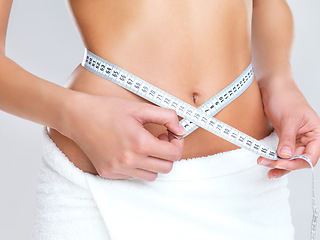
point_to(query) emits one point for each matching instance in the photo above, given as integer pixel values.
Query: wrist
(279, 92)
(68, 112)
(276, 84)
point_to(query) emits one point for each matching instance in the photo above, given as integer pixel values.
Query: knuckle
(110, 169)
(114, 167)
(140, 144)
(122, 158)
(287, 139)
(129, 161)
(126, 158)
(317, 133)
(172, 113)
(176, 155)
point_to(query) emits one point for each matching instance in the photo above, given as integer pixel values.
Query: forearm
(272, 38)
(28, 96)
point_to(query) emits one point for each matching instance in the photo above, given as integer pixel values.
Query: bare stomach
(192, 54)
(245, 113)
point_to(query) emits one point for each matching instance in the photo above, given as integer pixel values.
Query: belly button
(195, 97)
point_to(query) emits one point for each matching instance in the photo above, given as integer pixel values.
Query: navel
(195, 97)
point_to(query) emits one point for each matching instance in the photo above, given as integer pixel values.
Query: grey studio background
(41, 32)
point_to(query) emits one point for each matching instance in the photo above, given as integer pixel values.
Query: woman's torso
(191, 49)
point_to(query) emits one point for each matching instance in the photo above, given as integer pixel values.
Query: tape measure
(196, 117)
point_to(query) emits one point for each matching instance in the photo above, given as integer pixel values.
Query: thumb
(287, 139)
(162, 116)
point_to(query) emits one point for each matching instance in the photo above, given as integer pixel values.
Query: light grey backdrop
(40, 31)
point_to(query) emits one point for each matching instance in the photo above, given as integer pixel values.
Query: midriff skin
(191, 49)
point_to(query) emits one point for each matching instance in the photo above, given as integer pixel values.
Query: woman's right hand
(110, 131)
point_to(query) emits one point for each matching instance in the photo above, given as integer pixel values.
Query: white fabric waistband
(222, 196)
(219, 164)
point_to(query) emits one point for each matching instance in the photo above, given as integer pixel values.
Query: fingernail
(280, 167)
(286, 151)
(177, 137)
(265, 162)
(182, 129)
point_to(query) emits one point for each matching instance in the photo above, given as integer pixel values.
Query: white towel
(225, 196)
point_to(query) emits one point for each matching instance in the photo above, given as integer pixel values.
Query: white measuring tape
(196, 117)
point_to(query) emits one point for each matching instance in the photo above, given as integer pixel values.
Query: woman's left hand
(296, 124)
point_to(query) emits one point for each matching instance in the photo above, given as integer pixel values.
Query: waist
(245, 113)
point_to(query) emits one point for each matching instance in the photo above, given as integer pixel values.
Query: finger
(274, 163)
(292, 164)
(300, 150)
(177, 140)
(178, 144)
(155, 165)
(266, 162)
(289, 165)
(161, 116)
(311, 150)
(287, 138)
(284, 164)
(170, 150)
(141, 174)
(163, 137)
(277, 173)
(113, 175)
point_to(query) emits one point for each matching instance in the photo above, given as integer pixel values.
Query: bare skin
(191, 49)
(173, 45)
